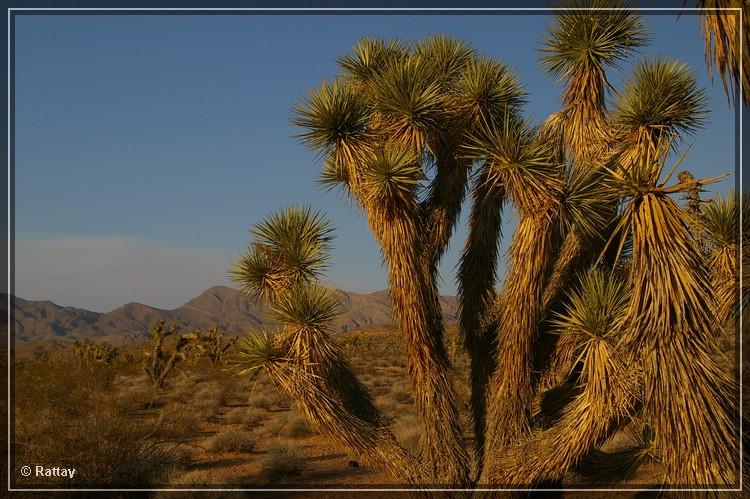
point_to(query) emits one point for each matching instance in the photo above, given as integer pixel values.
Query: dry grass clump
(206, 400)
(263, 402)
(249, 417)
(134, 394)
(181, 388)
(283, 463)
(296, 427)
(232, 441)
(107, 448)
(178, 422)
(193, 478)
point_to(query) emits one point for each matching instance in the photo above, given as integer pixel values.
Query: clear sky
(147, 146)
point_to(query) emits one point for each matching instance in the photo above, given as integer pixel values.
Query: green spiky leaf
(661, 96)
(487, 89)
(333, 116)
(253, 352)
(307, 307)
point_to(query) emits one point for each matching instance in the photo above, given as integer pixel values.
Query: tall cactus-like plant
(292, 245)
(726, 32)
(395, 113)
(607, 297)
(720, 221)
(211, 344)
(89, 354)
(159, 361)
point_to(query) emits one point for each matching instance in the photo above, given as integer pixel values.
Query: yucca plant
(605, 321)
(211, 344)
(396, 114)
(160, 360)
(726, 34)
(605, 390)
(672, 330)
(302, 359)
(720, 221)
(89, 354)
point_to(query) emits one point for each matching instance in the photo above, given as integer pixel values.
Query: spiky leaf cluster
(660, 102)
(583, 38)
(289, 249)
(726, 32)
(518, 163)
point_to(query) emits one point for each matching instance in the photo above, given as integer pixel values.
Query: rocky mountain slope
(227, 307)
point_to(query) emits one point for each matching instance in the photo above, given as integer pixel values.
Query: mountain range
(226, 307)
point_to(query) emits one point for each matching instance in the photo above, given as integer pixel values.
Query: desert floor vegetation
(209, 428)
(205, 427)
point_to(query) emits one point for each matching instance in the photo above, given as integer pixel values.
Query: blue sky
(147, 146)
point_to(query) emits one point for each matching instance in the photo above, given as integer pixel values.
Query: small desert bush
(263, 401)
(178, 422)
(249, 417)
(193, 478)
(213, 391)
(232, 441)
(283, 463)
(275, 426)
(296, 427)
(135, 396)
(181, 388)
(269, 399)
(389, 407)
(380, 390)
(105, 447)
(206, 400)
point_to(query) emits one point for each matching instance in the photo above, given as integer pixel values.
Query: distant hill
(227, 307)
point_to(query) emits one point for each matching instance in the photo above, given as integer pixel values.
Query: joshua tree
(211, 344)
(89, 354)
(282, 266)
(605, 320)
(721, 223)
(159, 362)
(721, 32)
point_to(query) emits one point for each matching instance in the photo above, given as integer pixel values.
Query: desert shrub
(213, 391)
(182, 387)
(254, 418)
(200, 477)
(106, 448)
(177, 422)
(268, 399)
(206, 400)
(235, 416)
(282, 463)
(380, 387)
(275, 426)
(296, 427)
(232, 441)
(250, 417)
(389, 408)
(134, 396)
